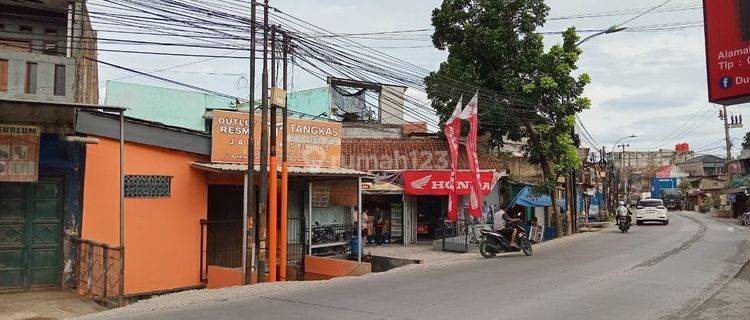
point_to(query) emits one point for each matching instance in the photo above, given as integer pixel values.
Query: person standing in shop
(387, 230)
(378, 224)
(365, 217)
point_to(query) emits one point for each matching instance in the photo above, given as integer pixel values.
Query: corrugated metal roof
(296, 171)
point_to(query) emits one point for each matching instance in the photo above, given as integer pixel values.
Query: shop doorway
(224, 226)
(391, 207)
(430, 214)
(31, 234)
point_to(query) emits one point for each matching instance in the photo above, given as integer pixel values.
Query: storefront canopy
(527, 199)
(381, 188)
(293, 171)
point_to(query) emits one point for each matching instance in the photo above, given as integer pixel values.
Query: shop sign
(311, 143)
(536, 234)
(19, 153)
(727, 33)
(321, 196)
(439, 182)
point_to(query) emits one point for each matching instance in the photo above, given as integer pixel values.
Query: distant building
(188, 109)
(705, 165)
(644, 160)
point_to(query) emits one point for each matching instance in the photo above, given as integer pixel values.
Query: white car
(651, 210)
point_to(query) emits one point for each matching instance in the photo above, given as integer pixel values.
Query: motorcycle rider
(504, 225)
(622, 211)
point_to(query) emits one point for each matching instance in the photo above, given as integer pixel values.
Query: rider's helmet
(622, 203)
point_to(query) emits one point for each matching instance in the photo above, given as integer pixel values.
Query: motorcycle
(623, 223)
(493, 242)
(745, 219)
(323, 234)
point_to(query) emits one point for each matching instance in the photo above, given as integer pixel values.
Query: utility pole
(622, 166)
(284, 169)
(272, 177)
(250, 218)
(263, 192)
(736, 122)
(725, 117)
(604, 202)
(573, 206)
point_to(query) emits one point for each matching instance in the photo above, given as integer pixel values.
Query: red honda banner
(452, 132)
(438, 183)
(471, 113)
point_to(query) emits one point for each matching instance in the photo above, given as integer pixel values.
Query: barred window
(139, 186)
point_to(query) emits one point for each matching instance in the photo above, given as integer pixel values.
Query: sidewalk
(45, 305)
(421, 252)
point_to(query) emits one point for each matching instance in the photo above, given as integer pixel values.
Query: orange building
(165, 200)
(183, 214)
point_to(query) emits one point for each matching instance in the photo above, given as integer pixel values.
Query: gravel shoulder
(194, 298)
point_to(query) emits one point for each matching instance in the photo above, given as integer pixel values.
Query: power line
(644, 13)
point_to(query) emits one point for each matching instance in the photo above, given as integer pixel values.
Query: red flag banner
(471, 113)
(452, 132)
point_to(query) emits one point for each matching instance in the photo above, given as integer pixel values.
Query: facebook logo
(725, 83)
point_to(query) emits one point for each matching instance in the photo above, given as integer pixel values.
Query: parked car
(745, 219)
(651, 210)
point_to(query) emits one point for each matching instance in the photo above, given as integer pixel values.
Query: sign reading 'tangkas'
(727, 32)
(311, 143)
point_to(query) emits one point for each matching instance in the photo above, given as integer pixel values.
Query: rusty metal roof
(294, 171)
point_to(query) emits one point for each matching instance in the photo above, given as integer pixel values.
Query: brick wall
(418, 153)
(87, 72)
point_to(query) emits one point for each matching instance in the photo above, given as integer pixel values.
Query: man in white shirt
(500, 224)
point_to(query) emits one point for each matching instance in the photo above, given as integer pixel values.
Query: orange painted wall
(335, 267)
(162, 235)
(220, 277)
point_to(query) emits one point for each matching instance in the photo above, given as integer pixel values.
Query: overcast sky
(647, 83)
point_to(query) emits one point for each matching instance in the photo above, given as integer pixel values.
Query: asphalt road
(652, 272)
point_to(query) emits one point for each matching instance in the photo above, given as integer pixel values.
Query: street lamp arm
(612, 29)
(623, 138)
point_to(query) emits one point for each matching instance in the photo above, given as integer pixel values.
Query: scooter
(623, 222)
(492, 243)
(745, 219)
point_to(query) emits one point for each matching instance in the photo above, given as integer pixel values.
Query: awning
(293, 171)
(381, 188)
(527, 199)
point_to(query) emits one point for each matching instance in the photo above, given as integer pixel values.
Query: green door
(30, 234)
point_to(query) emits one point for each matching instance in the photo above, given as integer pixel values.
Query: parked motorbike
(623, 223)
(745, 219)
(322, 234)
(493, 242)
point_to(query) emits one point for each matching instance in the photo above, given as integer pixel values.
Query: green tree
(746, 142)
(527, 93)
